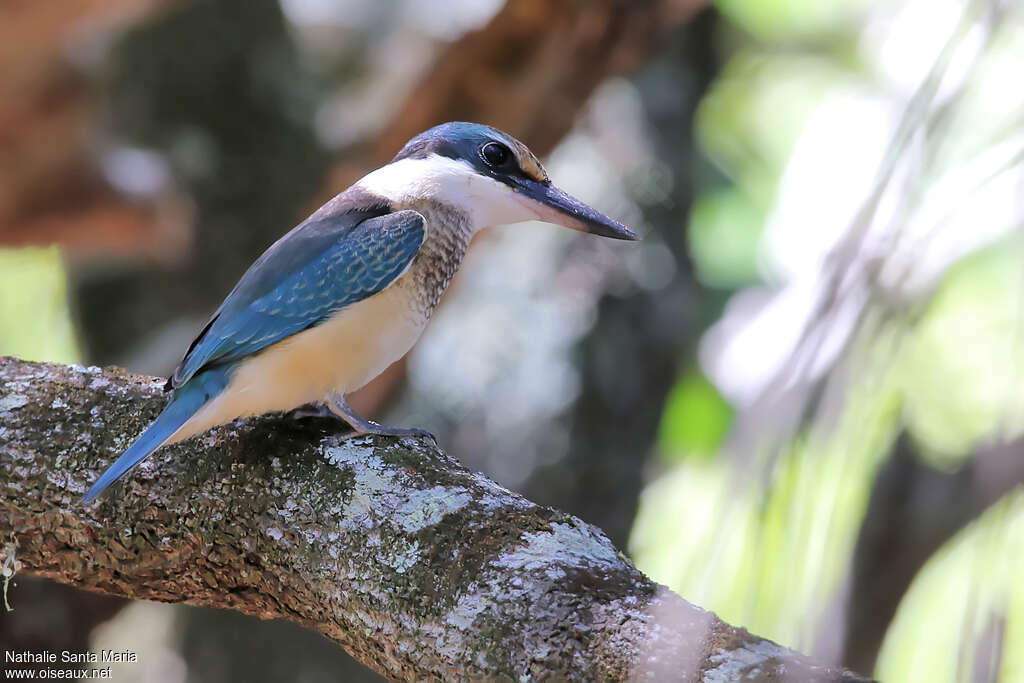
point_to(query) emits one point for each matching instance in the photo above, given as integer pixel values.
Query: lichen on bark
(418, 567)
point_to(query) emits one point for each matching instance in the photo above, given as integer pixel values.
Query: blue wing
(323, 265)
(328, 262)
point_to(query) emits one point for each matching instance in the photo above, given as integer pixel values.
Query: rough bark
(418, 567)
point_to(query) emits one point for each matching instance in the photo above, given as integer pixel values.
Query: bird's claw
(423, 434)
(397, 432)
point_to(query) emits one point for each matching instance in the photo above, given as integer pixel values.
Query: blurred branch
(416, 566)
(529, 71)
(51, 189)
(914, 510)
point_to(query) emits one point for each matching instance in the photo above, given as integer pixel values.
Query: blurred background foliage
(842, 130)
(798, 402)
(34, 306)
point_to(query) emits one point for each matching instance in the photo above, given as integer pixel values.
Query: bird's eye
(495, 154)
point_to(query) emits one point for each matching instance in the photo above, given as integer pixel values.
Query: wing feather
(320, 267)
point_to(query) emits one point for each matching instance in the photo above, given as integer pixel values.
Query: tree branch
(418, 567)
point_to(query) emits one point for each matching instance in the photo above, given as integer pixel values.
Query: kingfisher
(348, 291)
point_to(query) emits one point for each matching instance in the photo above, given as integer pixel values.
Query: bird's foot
(360, 425)
(376, 429)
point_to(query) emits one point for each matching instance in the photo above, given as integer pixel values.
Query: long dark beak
(564, 209)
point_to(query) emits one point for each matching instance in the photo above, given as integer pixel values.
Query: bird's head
(487, 174)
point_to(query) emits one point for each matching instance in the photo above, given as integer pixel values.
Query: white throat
(486, 201)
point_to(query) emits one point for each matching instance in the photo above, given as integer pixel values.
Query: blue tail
(187, 401)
